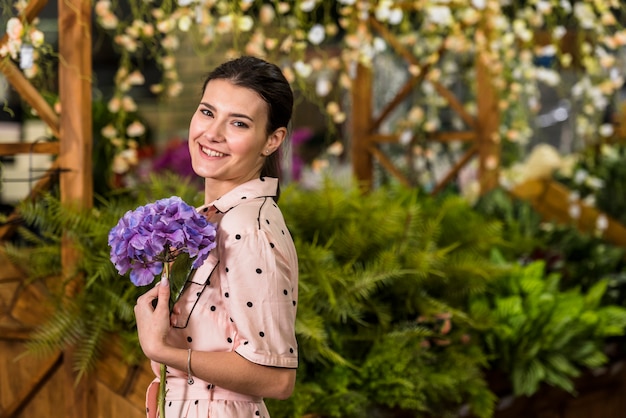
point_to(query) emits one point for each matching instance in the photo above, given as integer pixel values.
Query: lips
(212, 153)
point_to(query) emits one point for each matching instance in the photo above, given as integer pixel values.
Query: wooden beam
(455, 170)
(75, 78)
(388, 165)
(30, 94)
(451, 136)
(362, 164)
(11, 333)
(30, 148)
(75, 158)
(31, 389)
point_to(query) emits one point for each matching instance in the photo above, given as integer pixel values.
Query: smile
(212, 153)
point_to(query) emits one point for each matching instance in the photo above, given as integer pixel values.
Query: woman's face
(227, 136)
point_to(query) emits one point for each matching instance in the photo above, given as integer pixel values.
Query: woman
(230, 341)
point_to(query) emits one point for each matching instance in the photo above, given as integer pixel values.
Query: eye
(240, 124)
(206, 112)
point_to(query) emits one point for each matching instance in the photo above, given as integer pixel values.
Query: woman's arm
(224, 369)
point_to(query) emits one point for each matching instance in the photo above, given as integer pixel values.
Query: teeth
(212, 153)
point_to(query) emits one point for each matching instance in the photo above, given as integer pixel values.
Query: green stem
(162, 390)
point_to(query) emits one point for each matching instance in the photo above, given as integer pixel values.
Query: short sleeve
(260, 277)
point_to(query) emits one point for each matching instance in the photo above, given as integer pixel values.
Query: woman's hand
(153, 324)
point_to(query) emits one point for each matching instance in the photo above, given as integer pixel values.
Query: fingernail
(165, 281)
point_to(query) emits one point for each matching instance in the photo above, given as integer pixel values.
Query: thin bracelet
(189, 376)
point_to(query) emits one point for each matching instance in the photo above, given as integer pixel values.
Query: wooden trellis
(481, 131)
(73, 128)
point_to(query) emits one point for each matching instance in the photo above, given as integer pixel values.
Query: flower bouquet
(149, 239)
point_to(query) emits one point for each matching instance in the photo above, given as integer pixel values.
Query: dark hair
(268, 81)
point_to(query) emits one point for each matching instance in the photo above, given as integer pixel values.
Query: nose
(214, 131)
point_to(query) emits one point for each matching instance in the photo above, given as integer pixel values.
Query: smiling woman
(230, 339)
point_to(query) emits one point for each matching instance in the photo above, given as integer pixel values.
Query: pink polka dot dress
(242, 299)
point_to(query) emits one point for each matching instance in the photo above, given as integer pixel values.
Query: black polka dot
(245, 343)
(170, 404)
(196, 402)
(249, 304)
(262, 334)
(147, 410)
(259, 271)
(209, 386)
(262, 178)
(237, 236)
(291, 350)
(272, 244)
(257, 413)
(198, 294)
(268, 221)
(285, 292)
(294, 303)
(189, 339)
(213, 308)
(230, 340)
(205, 209)
(243, 197)
(231, 319)
(226, 294)
(283, 232)
(274, 204)
(208, 282)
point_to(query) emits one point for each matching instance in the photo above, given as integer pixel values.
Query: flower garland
(319, 42)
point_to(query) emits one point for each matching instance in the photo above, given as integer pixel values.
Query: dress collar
(261, 187)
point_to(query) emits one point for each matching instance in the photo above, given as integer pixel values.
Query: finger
(163, 293)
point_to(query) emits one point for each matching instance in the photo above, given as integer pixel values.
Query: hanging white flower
(245, 23)
(602, 222)
(395, 16)
(303, 69)
(316, 34)
(307, 5)
(323, 86)
(135, 129)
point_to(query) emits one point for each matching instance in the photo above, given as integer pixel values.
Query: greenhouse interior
(453, 178)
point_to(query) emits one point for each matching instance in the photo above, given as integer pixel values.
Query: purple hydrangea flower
(154, 234)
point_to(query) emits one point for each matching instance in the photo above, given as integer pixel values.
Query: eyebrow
(234, 115)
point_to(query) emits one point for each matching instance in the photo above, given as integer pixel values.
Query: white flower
(323, 86)
(303, 69)
(307, 5)
(574, 211)
(109, 131)
(316, 34)
(439, 15)
(606, 130)
(15, 29)
(135, 129)
(245, 23)
(602, 222)
(184, 24)
(405, 137)
(479, 4)
(128, 104)
(395, 16)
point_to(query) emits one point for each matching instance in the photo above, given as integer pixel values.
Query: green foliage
(104, 304)
(537, 333)
(376, 271)
(401, 303)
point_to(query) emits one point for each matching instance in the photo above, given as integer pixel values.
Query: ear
(275, 139)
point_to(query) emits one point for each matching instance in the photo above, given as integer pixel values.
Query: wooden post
(488, 119)
(362, 163)
(75, 161)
